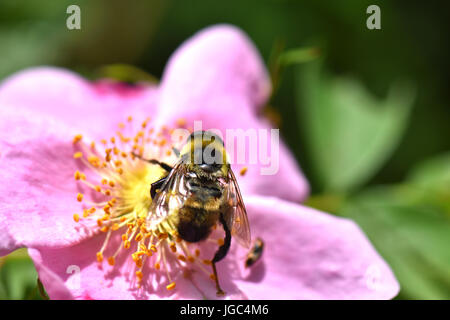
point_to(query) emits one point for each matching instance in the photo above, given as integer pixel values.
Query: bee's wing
(170, 197)
(238, 222)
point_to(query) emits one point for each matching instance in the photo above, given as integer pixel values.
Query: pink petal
(218, 60)
(312, 255)
(94, 109)
(308, 255)
(38, 193)
(103, 282)
(41, 110)
(52, 282)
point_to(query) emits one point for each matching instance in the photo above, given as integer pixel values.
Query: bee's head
(205, 153)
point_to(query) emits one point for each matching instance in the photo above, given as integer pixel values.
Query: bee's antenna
(163, 165)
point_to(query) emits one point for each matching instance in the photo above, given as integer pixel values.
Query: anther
(111, 261)
(170, 286)
(181, 122)
(78, 155)
(207, 262)
(77, 138)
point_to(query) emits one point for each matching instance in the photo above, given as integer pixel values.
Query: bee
(199, 192)
(255, 253)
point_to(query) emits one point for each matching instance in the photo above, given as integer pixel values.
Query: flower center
(118, 192)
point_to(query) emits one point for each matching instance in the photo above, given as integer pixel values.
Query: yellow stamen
(78, 155)
(181, 122)
(139, 237)
(207, 262)
(111, 261)
(122, 199)
(170, 286)
(77, 138)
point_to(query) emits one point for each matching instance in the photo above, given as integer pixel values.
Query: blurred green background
(367, 117)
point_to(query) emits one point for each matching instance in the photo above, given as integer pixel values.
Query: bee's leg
(163, 165)
(221, 253)
(155, 186)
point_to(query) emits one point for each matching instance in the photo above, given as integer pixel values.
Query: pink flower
(51, 182)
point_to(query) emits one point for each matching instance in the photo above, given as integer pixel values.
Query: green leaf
(299, 55)
(413, 239)
(18, 277)
(433, 173)
(349, 132)
(125, 73)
